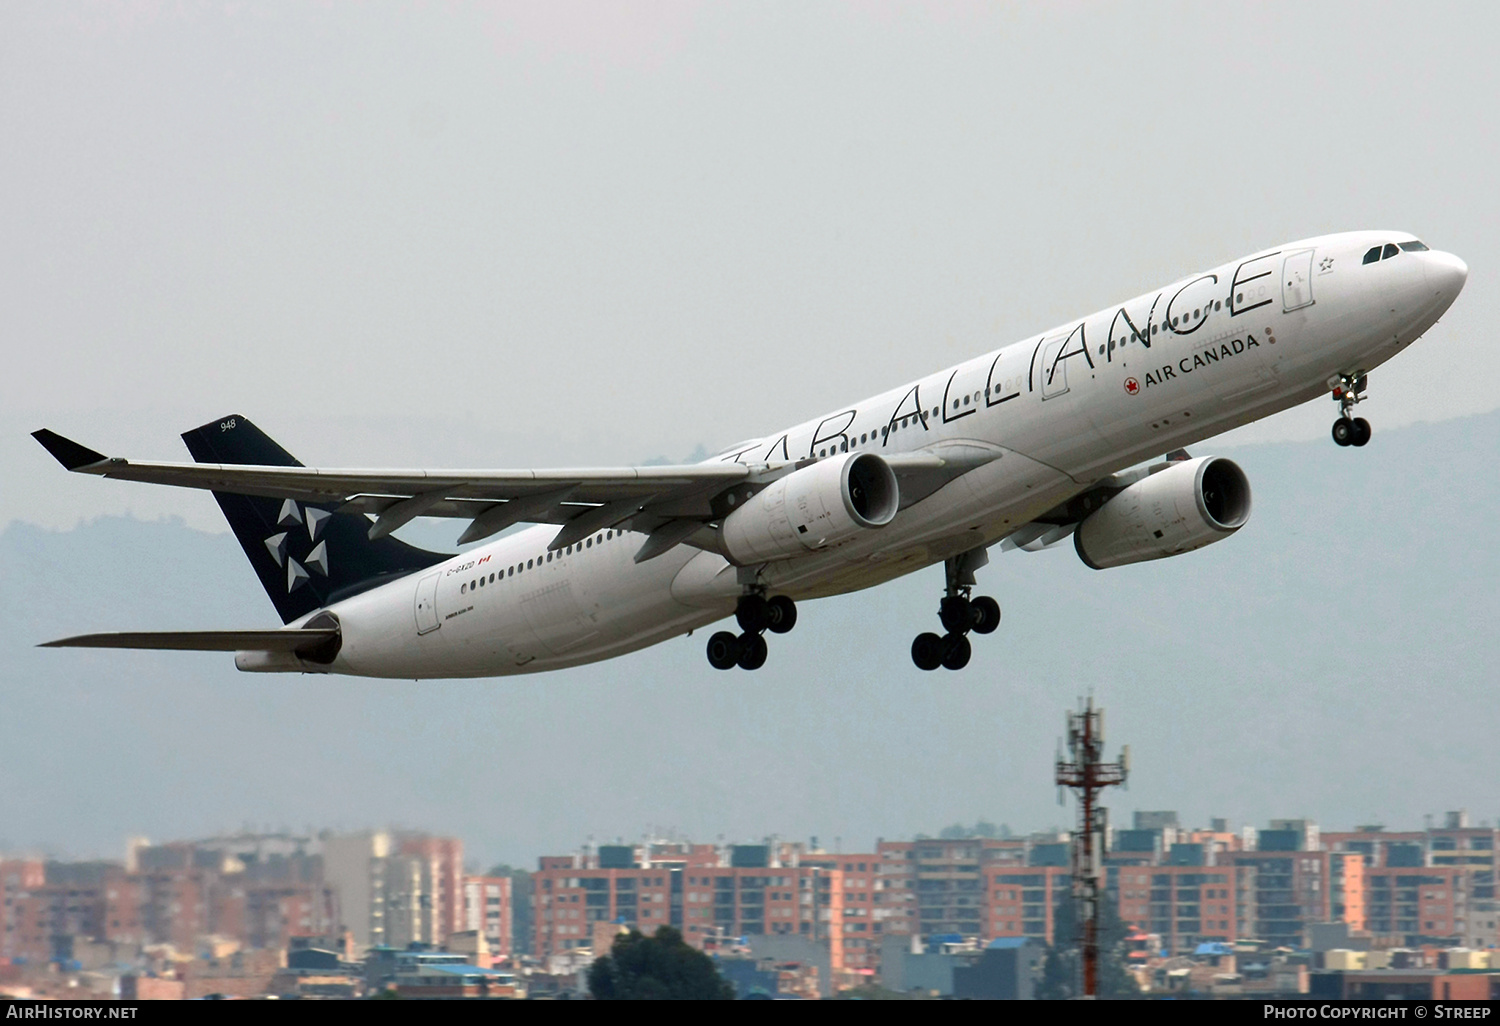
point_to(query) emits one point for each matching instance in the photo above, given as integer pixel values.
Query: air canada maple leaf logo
(295, 521)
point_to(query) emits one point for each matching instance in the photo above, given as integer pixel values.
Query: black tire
(986, 615)
(956, 652)
(781, 614)
(1361, 432)
(752, 651)
(1343, 431)
(927, 651)
(723, 651)
(956, 614)
(751, 614)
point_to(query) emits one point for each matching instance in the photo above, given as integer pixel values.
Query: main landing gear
(959, 614)
(1347, 389)
(755, 614)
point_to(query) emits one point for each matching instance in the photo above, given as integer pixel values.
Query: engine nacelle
(1185, 507)
(809, 509)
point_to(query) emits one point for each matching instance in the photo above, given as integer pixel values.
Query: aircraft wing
(321, 485)
(672, 504)
(289, 640)
(585, 499)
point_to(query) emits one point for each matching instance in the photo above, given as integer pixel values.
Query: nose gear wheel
(1348, 391)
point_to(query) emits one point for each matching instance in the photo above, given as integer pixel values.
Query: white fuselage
(1063, 409)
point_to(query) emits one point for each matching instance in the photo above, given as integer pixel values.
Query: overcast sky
(577, 233)
(580, 233)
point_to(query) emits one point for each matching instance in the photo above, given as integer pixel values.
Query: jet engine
(1184, 507)
(820, 505)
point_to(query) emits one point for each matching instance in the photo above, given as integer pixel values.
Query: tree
(662, 967)
(983, 828)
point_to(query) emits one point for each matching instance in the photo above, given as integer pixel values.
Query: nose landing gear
(755, 615)
(959, 614)
(1347, 389)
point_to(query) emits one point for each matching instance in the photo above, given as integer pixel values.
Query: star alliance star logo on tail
(316, 560)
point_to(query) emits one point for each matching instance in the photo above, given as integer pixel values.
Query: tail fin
(305, 555)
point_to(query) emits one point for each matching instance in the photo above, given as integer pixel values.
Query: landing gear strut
(959, 614)
(755, 614)
(1347, 392)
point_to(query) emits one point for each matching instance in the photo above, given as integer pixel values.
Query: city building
(1412, 906)
(229, 913)
(1290, 888)
(354, 866)
(863, 893)
(1458, 844)
(395, 889)
(1186, 906)
(488, 905)
(1024, 902)
(706, 894)
(440, 876)
(943, 882)
(1350, 883)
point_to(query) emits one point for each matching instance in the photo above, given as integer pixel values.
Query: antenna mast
(1087, 775)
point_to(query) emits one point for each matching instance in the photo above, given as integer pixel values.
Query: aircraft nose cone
(1446, 273)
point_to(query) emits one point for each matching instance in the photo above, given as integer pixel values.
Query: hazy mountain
(1336, 659)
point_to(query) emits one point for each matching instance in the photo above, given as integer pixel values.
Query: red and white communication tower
(1088, 774)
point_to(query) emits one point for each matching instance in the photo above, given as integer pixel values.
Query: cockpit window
(1414, 246)
(1372, 256)
(1389, 251)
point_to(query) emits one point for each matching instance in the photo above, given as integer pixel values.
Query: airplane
(1021, 448)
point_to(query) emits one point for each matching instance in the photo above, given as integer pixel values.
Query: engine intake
(809, 509)
(1184, 507)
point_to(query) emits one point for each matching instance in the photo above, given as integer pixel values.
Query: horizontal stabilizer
(66, 451)
(204, 641)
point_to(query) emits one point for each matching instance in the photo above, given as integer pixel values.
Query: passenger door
(426, 604)
(1296, 281)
